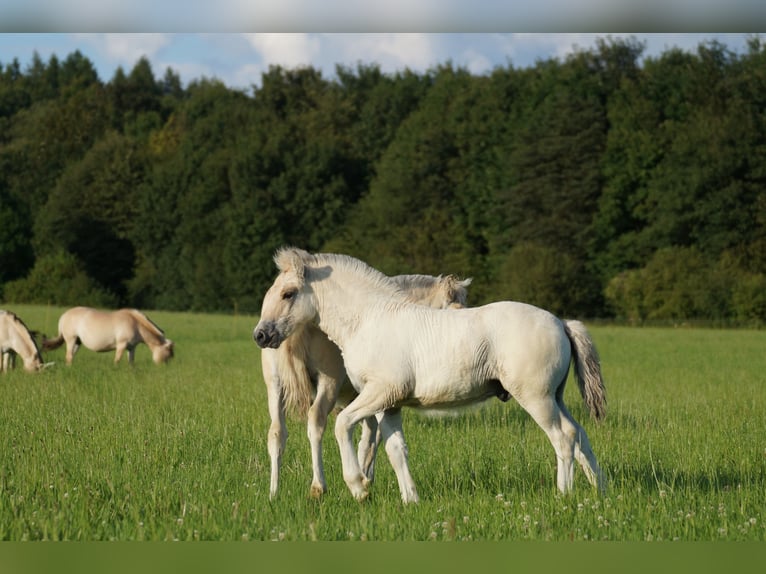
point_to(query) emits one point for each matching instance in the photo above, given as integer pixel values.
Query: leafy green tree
(179, 220)
(410, 219)
(91, 211)
(555, 159)
(295, 174)
(540, 275)
(136, 99)
(58, 279)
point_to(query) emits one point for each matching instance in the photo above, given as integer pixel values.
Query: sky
(235, 41)
(239, 58)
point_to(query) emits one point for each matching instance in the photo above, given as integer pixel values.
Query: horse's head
(34, 363)
(288, 302)
(456, 291)
(164, 352)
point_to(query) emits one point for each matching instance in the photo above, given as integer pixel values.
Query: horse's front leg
(277, 435)
(119, 349)
(327, 393)
(370, 401)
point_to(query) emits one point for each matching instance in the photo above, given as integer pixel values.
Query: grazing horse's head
(163, 353)
(286, 304)
(26, 344)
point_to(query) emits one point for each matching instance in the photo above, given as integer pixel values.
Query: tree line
(606, 184)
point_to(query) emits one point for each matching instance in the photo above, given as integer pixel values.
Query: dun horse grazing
(118, 330)
(400, 354)
(309, 363)
(16, 339)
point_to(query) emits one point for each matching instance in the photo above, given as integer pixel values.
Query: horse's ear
(291, 259)
(457, 289)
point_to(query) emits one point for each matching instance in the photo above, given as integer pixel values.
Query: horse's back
(98, 330)
(444, 349)
(527, 340)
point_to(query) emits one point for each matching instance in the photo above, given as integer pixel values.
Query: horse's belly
(455, 394)
(98, 342)
(453, 384)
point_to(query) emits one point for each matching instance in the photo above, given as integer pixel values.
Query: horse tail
(587, 368)
(50, 344)
(296, 381)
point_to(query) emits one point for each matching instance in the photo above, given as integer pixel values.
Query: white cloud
(130, 47)
(390, 51)
(289, 50)
(475, 62)
(126, 49)
(554, 45)
(339, 15)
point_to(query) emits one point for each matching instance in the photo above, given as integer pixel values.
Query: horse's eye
(287, 295)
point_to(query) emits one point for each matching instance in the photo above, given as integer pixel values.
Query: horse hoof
(362, 496)
(317, 491)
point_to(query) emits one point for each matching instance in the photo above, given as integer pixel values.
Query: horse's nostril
(259, 336)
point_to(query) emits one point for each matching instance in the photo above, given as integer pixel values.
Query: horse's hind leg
(584, 454)
(72, 346)
(561, 433)
(368, 446)
(396, 448)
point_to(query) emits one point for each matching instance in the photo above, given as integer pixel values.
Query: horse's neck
(22, 342)
(341, 309)
(423, 296)
(149, 333)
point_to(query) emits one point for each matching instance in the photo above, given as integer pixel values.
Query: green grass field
(178, 452)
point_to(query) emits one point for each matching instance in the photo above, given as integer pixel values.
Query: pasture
(178, 452)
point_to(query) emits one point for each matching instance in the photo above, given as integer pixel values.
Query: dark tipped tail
(50, 344)
(587, 368)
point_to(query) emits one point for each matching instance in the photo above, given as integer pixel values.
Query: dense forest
(606, 184)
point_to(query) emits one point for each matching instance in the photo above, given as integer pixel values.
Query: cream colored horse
(120, 331)
(16, 339)
(400, 354)
(308, 363)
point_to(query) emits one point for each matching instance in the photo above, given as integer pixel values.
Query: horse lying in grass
(17, 339)
(309, 363)
(399, 354)
(100, 331)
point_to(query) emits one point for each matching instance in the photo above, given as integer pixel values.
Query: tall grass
(178, 452)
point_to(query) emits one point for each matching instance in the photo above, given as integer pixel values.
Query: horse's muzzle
(267, 336)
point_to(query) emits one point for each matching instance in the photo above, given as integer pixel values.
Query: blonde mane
(297, 387)
(148, 325)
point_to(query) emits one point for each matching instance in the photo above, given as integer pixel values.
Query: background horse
(110, 330)
(308, 363)
(17, 339)
(400, 354)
